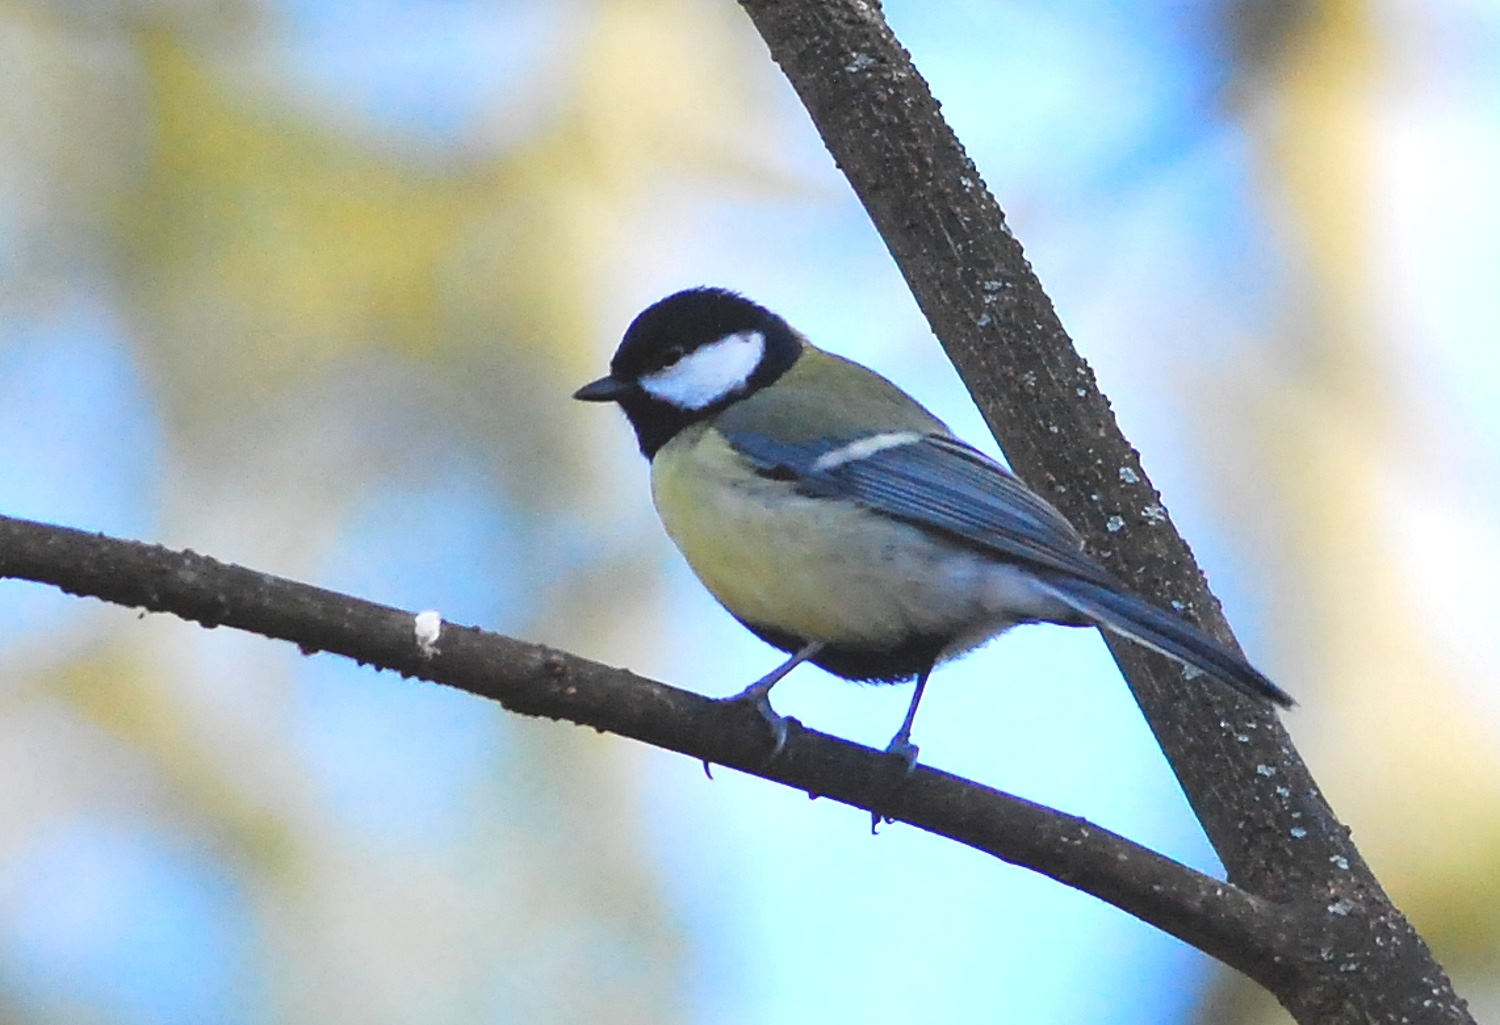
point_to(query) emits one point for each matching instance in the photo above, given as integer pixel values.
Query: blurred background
(306, 286)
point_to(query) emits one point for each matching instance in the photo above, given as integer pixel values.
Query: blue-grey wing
(940, 484)
(935, 482)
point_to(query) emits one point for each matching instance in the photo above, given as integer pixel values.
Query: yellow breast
(813, 568)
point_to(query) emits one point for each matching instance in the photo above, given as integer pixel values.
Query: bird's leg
(901, 745)
(757, 695)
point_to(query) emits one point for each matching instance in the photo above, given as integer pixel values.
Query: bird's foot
(902, 749)
(903, 762)
(755, 696)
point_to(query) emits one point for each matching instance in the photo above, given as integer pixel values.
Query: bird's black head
(690, 355)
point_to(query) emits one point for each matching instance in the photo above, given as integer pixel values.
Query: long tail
(1140, 621)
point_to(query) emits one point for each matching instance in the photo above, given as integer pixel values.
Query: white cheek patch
(708, 373)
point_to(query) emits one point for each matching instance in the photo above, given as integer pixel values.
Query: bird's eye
(672, 355)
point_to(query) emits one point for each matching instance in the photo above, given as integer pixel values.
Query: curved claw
(905, 753)
(757, 695)
(775, 721)
(902, 748)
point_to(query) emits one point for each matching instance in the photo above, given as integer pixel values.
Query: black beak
(606, 389)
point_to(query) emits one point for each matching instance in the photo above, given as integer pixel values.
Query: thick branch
(1257, 802)
(1244, 931)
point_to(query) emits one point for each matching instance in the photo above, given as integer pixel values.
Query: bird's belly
(826, 570)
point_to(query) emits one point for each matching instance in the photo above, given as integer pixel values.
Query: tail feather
(1140, 621)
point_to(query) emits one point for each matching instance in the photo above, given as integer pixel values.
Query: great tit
(843, 523)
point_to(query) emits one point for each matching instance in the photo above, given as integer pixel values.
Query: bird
(840, 521)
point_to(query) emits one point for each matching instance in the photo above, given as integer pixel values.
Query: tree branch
(1257, 802)
(1243, 930)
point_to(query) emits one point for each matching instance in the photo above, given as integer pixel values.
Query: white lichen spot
(1339, 861)
(1154, 514)
(428, 627)
(860, 62)
(1265, 770)
(1283, 791)
(984, 320)
(1114, 524)
(1243, 738)
(1127, 475)
(966, 181)
(1191, 672)
(991, 287)
(1029, 379)
(1080, 392)
(1053, 428)
(1297, 832)
(1340, 907)
(1179, 605)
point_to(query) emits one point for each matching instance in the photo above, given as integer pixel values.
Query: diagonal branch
(1244, 931)
(1258, 804)
(971, 278)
